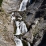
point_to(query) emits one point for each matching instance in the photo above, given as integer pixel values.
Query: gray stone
(10, 5)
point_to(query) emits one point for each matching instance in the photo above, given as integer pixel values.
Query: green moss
(0, 2)
(14, 25)
(24, 43)
(14, 31)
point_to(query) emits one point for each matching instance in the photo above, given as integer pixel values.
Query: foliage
(0, 2)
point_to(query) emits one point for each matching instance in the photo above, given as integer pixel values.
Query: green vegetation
(24, 43)
(0, 2)
(14, 28)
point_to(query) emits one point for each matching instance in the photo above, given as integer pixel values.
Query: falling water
(28, 44)
(18, 42)
(21, 26)
(23, 5)
(18, 32)
(12, 17)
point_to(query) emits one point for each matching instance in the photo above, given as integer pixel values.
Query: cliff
(34, 17)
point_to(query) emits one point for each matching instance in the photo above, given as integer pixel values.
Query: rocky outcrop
(10, 5)
(34, 17)
(6, 30)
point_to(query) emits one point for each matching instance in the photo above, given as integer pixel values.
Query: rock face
(36, 28)
(10, 5)
(6, 33)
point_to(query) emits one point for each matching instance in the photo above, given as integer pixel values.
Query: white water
(28, 44)
(23, 5)
(18, 42)
(23, 27)
(12, 17)
(20, 18)
(18, 32)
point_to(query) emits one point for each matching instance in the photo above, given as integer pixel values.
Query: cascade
(23, 5)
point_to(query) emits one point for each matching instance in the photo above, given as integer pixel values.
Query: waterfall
(28, 44)
(23, 5)
(12, 17)
(18, 32)
(18, 42)
(23, 27)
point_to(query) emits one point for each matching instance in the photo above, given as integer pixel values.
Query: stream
(21, 26)
(21, 29)
(23, 5)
